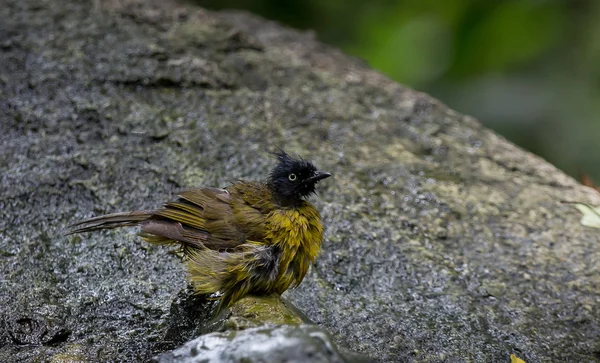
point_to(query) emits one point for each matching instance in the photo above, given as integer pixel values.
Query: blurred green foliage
(529, 69)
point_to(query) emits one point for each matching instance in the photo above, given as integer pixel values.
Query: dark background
(529, 69)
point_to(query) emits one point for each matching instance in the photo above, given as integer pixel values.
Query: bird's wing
(200, 217)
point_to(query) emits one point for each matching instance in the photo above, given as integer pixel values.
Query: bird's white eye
(292, 177)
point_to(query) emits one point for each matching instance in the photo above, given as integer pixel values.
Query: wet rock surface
(444, 242)
(287, 343)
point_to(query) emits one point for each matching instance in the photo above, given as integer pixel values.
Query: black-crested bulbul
(249, 238)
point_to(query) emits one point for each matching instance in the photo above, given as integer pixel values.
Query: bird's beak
(318, 175)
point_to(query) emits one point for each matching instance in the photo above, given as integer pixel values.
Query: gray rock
(287, 343)
(444, 242)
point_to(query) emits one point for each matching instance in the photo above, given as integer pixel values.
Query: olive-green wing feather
(199, 218)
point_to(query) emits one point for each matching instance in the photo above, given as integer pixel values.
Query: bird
(251, 237)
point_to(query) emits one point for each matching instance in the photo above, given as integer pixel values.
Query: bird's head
(294, 179)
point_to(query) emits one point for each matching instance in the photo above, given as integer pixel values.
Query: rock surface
(444, 242)
(287, 343)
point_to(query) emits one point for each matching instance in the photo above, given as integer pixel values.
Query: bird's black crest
(292, 178)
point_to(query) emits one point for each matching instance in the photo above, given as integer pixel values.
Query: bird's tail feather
(109, 221)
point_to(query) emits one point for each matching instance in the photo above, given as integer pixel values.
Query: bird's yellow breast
(298, 232)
